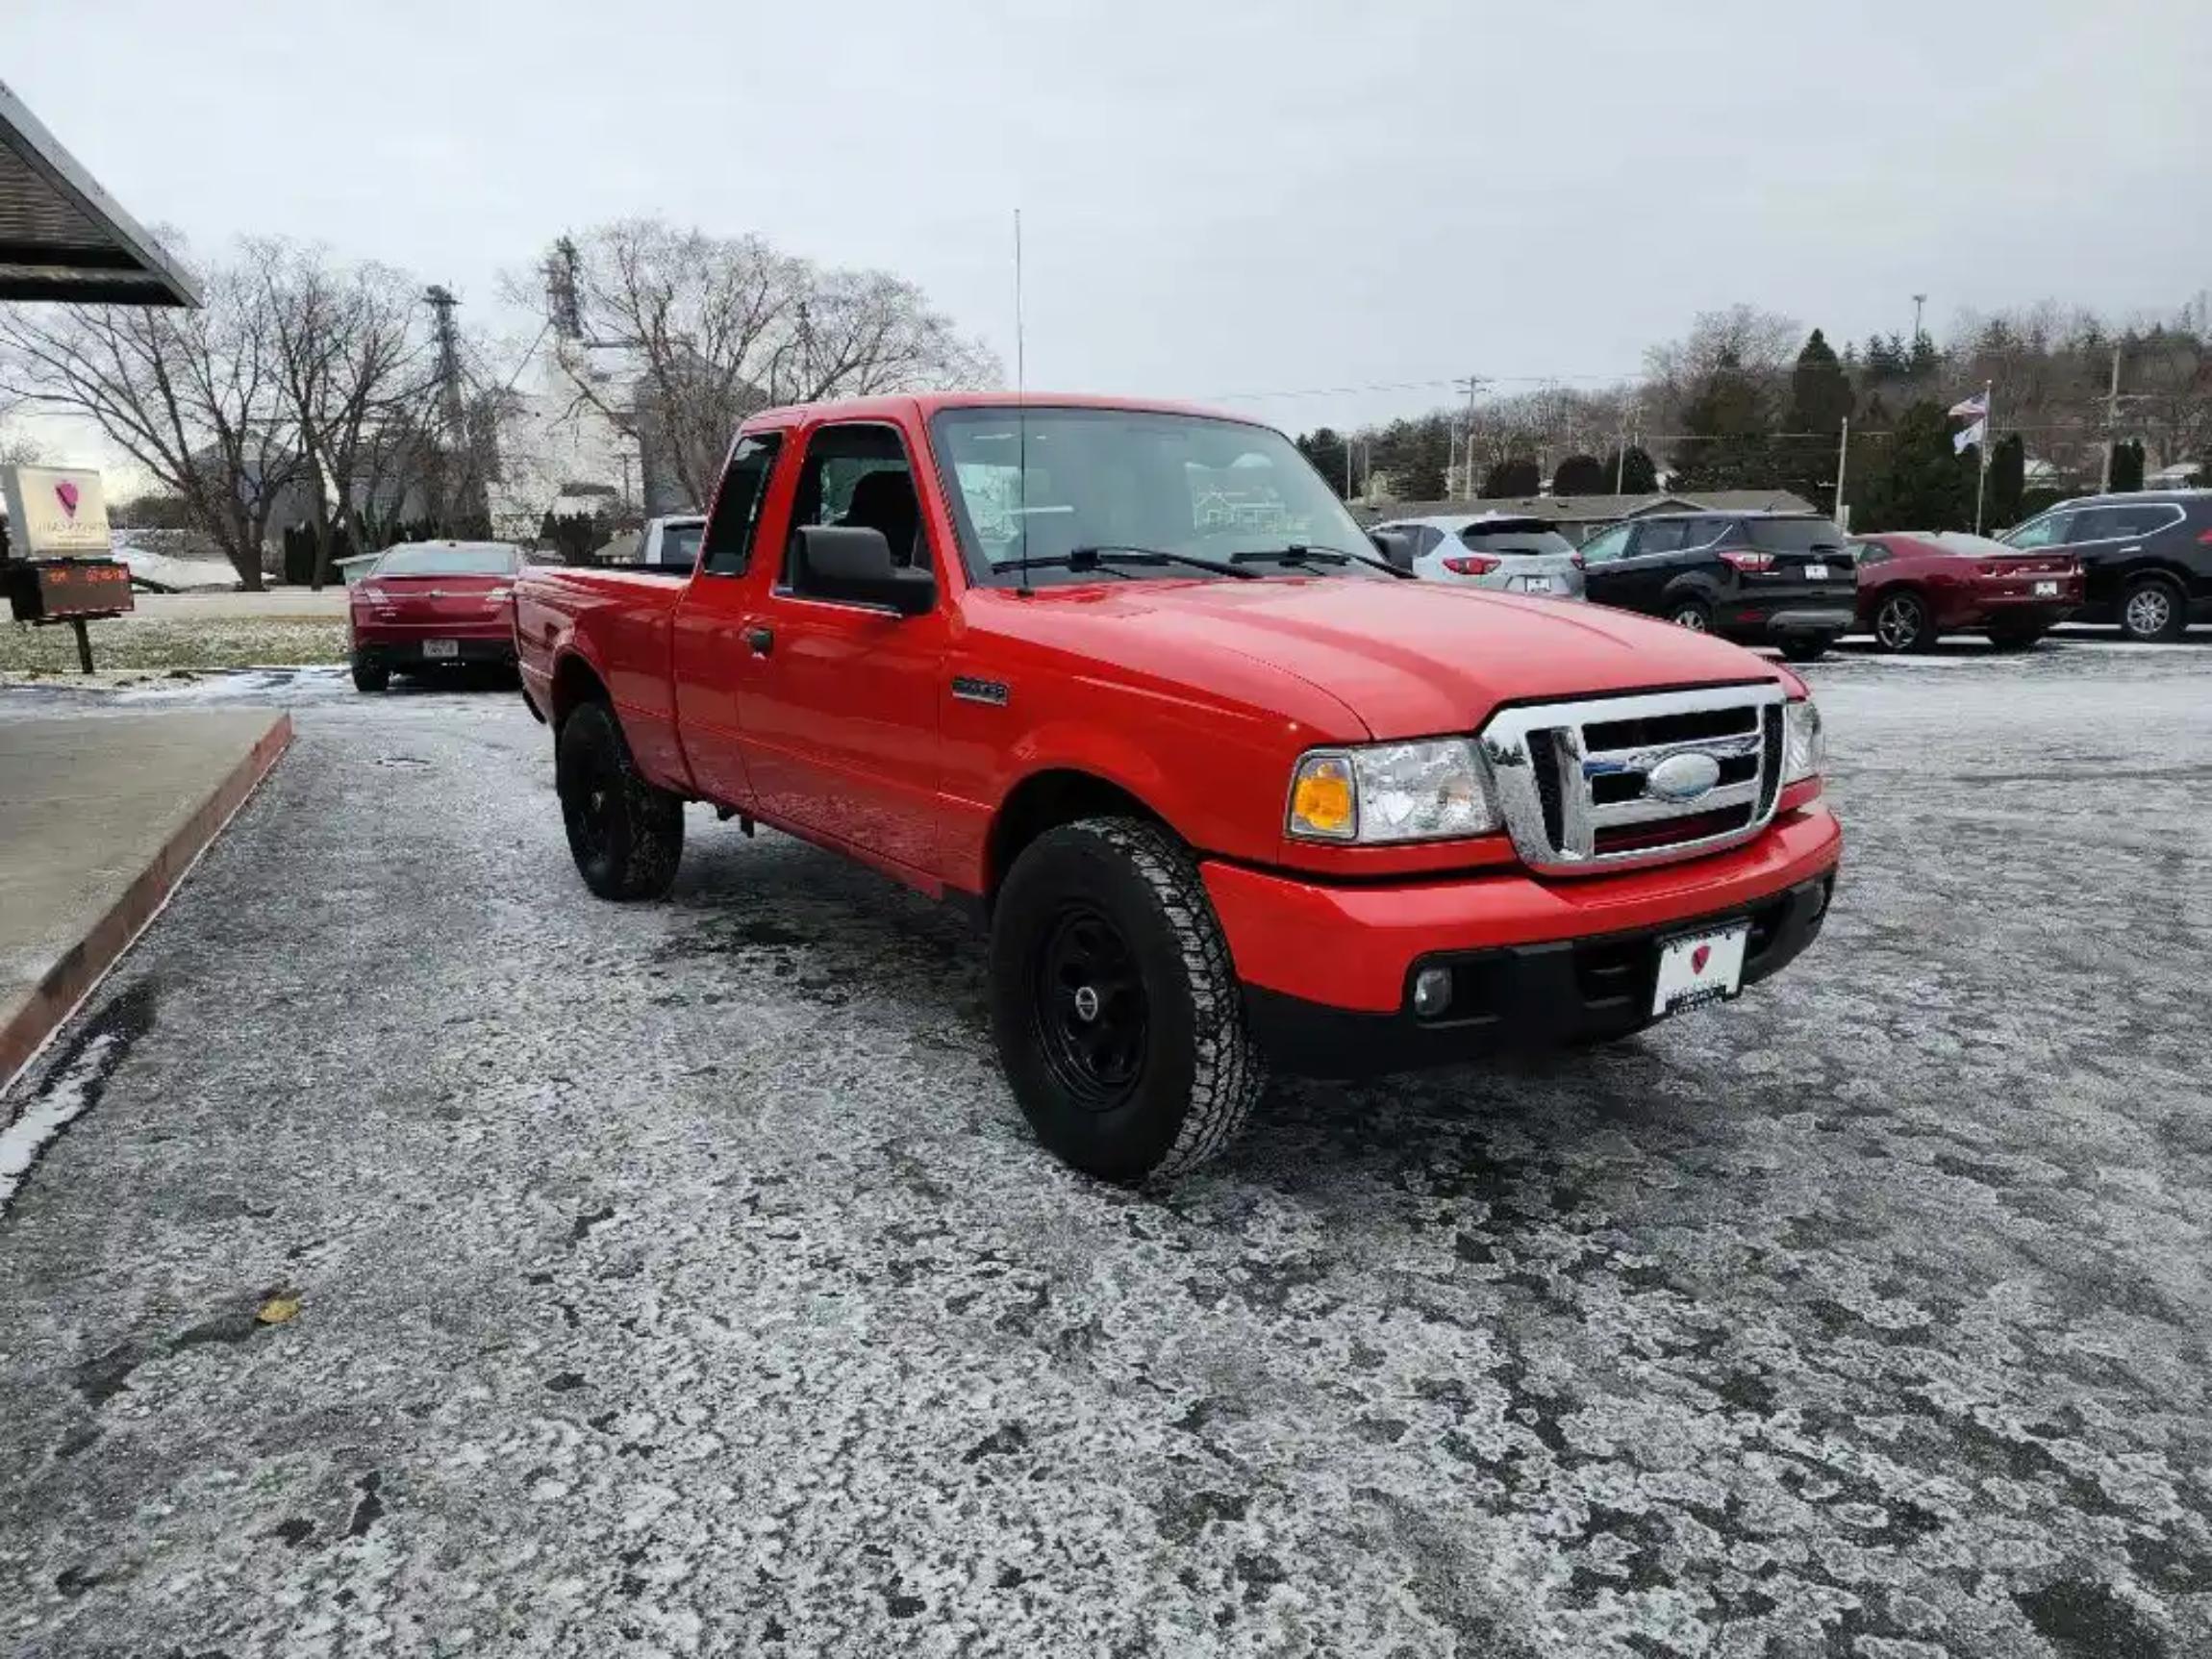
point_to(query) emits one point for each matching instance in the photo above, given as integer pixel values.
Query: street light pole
(1843, 460)
(2111, 423)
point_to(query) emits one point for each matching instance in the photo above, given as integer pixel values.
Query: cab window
(729, 536)
(858, 475)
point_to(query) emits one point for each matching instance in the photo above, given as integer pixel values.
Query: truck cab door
(839, 699)
(708, 649)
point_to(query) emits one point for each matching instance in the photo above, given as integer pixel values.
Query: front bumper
(1352, 949)
(1524, 996)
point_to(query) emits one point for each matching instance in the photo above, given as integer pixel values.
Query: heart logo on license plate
(1700, 957)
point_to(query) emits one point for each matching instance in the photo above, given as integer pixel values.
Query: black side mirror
(1395, 545)
(852, 562)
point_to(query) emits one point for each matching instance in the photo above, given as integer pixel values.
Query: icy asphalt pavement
(682, 1279)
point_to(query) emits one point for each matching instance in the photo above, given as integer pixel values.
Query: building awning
(63, 237)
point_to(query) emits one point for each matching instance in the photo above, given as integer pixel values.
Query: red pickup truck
(1128, 683)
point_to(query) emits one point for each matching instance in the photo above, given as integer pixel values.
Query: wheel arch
(576, 681)
(1049, 798)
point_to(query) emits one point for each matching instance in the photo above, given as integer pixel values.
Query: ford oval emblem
(1682, 777)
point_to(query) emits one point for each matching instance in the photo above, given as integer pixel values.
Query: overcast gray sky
(1220, 199)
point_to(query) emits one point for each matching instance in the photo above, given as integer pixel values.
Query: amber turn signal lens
(1321, 801)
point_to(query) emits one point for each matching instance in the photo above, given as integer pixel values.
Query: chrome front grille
(1576, 781)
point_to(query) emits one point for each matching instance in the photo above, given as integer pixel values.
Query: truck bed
(624, 617)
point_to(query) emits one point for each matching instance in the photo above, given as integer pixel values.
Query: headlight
(1390, 792)
(1804, 751)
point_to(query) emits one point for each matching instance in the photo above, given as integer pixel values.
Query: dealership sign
(55, 512)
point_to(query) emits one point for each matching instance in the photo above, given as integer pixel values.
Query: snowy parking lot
(441, 1261)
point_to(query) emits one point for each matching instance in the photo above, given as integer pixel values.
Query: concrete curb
(70, 980)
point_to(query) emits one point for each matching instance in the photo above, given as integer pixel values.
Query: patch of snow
(54, 1109)
(177, 575)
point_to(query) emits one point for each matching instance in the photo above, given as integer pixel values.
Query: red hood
(1407, 658)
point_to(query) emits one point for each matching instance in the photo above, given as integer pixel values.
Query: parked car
(669, 543)
(1497, 550)
(1758, 578)
(429, 605)
(2145, 558)
(1224, 789)
(1915, 587)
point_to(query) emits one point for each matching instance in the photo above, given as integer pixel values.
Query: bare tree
(713, 328)
(195, 397)
(356, 363)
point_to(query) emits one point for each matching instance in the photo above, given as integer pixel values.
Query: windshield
(1135, 480)
(420, 559)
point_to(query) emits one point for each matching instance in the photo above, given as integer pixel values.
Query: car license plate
(1699, 967)
(447, 648)
(1536, 584)
(1816, 573)
(2046, 589)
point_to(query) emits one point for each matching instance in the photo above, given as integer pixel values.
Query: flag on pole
(1970, 408)
(1974, 434)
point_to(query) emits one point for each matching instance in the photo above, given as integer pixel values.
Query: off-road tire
(2137, 607)
(371, 676)
(1806, 648)
(1198, 1071)
(626, 834)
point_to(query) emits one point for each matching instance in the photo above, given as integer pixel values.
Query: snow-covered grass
(194, 642)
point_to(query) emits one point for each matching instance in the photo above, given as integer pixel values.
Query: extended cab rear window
(1794, 535)
(729, 535)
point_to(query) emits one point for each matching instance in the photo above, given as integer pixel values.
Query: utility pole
(2111, 423)
(1474, 384)
(470, 498)
(1843, 461)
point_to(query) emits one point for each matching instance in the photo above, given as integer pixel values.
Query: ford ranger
(1127, 682)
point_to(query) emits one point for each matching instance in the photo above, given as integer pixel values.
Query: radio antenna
(1021, 420)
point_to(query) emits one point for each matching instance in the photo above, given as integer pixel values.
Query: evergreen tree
(1820, 402)
(2128, 466)
(1581, 475)
(1636, 474)
(1328, 451)
(1729, 447)
(1516, 477)
(1923, 360)
(1921, 482)
(2007, 480)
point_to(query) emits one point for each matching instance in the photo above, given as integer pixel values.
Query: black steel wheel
(1088, 1005)
(626, 834)
(1117, 1009)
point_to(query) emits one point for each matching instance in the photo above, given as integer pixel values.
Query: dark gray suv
(2145, 558)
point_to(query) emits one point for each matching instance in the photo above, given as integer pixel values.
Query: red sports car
(1916, 586)
(434, 604)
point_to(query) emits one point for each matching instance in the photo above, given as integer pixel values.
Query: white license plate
(2046, 589)
(1699, 967)
(1816, 573)
(438, 648)
(1536, 584)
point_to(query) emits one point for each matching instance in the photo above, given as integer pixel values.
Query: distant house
(1578, 518)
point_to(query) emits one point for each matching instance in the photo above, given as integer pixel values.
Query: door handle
(763, 640)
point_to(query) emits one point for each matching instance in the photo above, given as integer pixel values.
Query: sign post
(59, 569)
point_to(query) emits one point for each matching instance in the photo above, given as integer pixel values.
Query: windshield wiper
(1300, 553)
(1109, 556)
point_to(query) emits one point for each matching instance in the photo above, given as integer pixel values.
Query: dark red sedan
(430, 605)
(1917, 586)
